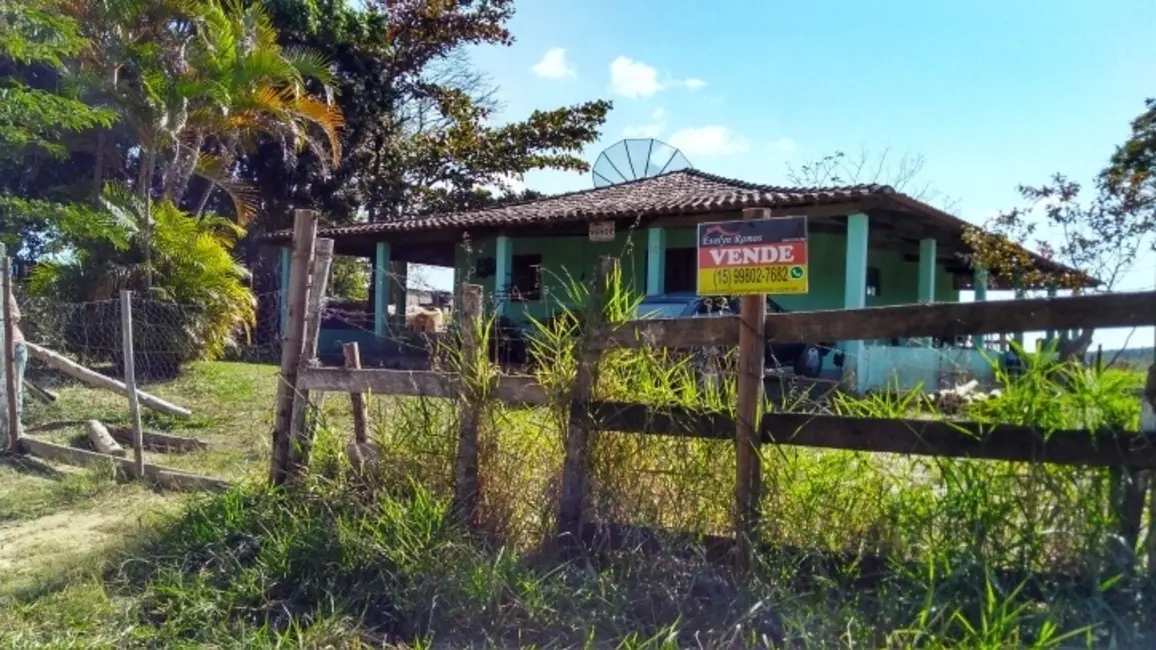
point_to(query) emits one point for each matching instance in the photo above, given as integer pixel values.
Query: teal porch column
(503, 265)
(979, 284)
(927, 253)
(283, 294)
(380, 287)
(855, 294)
(1020, 294)
(1050, 335)
(399, 277)
(655, 261)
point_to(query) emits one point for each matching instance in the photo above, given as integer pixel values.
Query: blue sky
(991, 94)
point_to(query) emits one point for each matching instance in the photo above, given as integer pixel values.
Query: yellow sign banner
(751, 257)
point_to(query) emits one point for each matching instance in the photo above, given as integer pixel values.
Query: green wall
(571, 259)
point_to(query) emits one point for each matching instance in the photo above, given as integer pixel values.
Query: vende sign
(758, 256)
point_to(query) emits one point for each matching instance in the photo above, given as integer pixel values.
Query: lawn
(86, 561)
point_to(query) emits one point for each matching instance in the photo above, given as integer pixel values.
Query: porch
(869, 246)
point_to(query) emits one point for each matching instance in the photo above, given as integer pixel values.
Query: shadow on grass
(30, 466)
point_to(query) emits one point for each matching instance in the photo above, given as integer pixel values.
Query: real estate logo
(758, 256)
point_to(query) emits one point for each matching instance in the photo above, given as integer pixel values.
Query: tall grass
(867, 550)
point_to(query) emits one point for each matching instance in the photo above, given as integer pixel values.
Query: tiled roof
(686, 191)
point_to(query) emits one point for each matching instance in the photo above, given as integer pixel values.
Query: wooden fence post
(352, 354)
(304, 234)
(466, 465)
(300, 434)
(130, 383)
(751, 362)
(8, 352)
(575, 464)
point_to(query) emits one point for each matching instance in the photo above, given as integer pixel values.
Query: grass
(874, 551)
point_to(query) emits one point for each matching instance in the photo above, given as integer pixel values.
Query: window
(526, 278)
(680, 270)
(873, 276)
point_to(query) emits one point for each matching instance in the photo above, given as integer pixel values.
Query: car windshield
(661, 309)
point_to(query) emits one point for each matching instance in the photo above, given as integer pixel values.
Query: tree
(419, 136)
(1099, 237)
(902, 174)
(39, 113)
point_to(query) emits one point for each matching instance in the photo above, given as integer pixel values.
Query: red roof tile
(682, 192)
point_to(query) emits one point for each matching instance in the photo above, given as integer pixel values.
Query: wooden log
(92, 378)
(304, 238)
(576, 459)
(465, 503)
(156, 441)
(300, 434)
(161, 476)
(942, 320)
(45, 396)
(748, 468)
(352, 354)
(102, 439)
(129, 355)
(8, 353)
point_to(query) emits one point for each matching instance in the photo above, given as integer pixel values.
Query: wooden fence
(1129, 453)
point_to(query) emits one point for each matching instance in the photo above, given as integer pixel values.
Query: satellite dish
(632, 159)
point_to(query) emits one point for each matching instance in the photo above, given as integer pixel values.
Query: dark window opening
(680, 270)
(873, 281)
(526, 278)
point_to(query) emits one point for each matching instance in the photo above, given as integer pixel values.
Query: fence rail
(944, 321)
(1123, 451)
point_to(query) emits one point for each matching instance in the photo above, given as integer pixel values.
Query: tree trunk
(148, 160)
(98, 166)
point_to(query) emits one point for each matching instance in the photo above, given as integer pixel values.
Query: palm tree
(254, 89)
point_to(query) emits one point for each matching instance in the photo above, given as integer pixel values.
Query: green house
(868, 246)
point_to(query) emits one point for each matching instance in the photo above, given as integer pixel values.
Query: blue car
(805, 358)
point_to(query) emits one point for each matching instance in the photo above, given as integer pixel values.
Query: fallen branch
(93, 378)
(165, 478)
(45, 396)
(165, 442)
(101, 439)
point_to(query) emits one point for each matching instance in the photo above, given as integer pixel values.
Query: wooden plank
(961, 440)
(300, 434)
(465, 503)
(518, 390)
(129, 355)
(576, 456)
(166, 478)
(304, 239)
(749, 397)
(942, 320)
(413, 383)
(92, 378)
(352, 354)
(8, 352)
(951, 439)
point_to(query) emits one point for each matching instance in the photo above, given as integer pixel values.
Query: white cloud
(784, 145)
(711, 140)
(554, 65)
(631, 78)
(644, 130)
(652, 130)
(692, 83)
